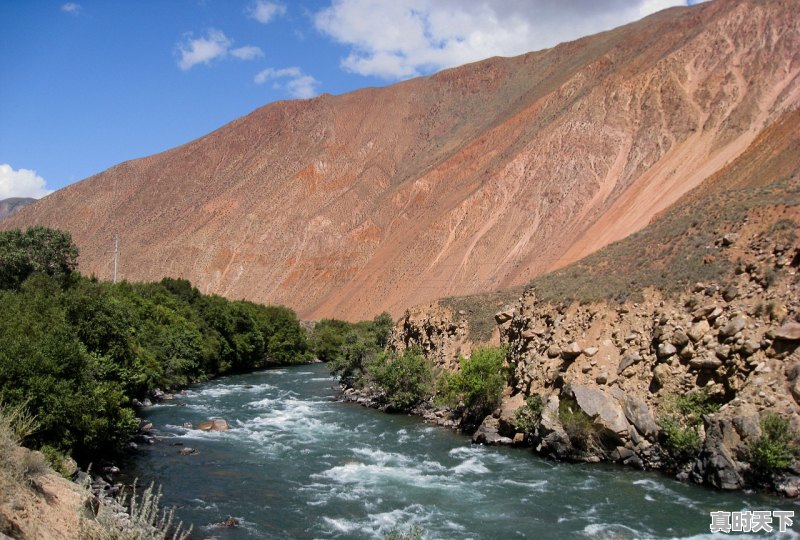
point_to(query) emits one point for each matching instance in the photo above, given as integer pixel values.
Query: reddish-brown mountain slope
(473, 179)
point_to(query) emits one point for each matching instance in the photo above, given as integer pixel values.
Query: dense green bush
(349, 348)
(406, 379)
(37, 250)
(776, 449)
(682, 439)
(527, 417)
(76, 350)
(478, 384)
(680, 423)
(578, 425)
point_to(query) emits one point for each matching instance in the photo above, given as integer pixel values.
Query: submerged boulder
(213, 425)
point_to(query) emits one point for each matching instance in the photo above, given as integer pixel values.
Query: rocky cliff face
(622, 367)
(474, 179)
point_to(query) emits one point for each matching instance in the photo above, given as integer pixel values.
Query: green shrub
(349, 348)
(776, 449)
(406, 379)
(478, 384)
(682, 440)
(54, 457)
(37, 250)
(527, 417)
(578, 425)
(694, 405)
(681, 422)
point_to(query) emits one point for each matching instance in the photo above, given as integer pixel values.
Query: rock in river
(213, 425)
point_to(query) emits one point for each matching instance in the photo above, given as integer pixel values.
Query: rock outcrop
(609, 374)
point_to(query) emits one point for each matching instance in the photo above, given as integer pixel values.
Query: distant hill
(475, 179)
(14, 204)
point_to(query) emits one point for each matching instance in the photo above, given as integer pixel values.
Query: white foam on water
(611, 531)
(537, 485)
(197, 435)
(657, 491)
(470, 466)
(287, 423)
(263, 403)
(378, 525)
(365, 475)
(381, 457)
(222, 390)
(341, 525)
(462, 451)
(200, 407)
(203, 505)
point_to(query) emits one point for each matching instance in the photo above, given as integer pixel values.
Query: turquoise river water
(296, 463)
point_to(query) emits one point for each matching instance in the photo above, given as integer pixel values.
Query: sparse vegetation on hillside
(479, 310)
(776, 449)
(678, 249)
(681, 421)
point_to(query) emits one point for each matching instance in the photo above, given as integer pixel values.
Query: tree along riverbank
(77, 352)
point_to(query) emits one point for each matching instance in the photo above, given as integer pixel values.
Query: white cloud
(264, 11)
(405, 38)
(214, 45)
(298, 84)
(21, 183)
(71, 7)
(247, 53)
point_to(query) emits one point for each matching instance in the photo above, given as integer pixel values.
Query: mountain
(13, 204)
(476, 178)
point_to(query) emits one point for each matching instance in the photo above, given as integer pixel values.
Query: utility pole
(116, 256)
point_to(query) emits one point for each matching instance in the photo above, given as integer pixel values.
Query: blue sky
(88, 84)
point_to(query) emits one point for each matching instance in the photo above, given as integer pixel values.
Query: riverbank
(701, 384)
(298, 463)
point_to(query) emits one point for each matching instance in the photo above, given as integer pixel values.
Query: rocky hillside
(14, 204)
(674, 349)
(735, 342)
(477, 178)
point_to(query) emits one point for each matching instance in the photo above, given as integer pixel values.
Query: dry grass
(17, 466)
(131, 517)
(675, 251)
(136, 517)
(479, 310)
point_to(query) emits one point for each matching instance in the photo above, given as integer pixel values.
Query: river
(296, 463)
